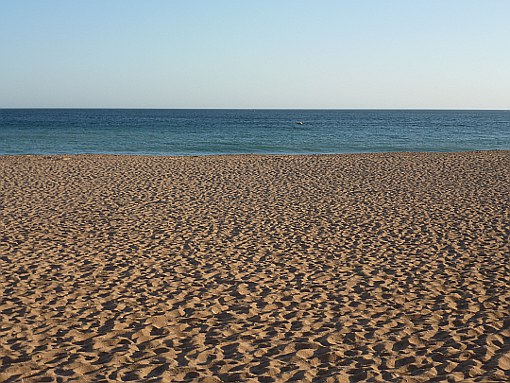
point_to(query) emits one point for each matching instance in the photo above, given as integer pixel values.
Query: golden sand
(341, 268)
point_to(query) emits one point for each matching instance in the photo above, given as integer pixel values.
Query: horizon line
(254, 109)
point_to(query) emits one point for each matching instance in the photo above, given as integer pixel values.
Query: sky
(259, 54)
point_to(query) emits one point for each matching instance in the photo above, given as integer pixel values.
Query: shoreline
(57, 155)
(317, 268)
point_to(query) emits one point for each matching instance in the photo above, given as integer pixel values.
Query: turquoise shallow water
(204, 132)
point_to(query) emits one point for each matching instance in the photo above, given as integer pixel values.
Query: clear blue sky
(255, 54)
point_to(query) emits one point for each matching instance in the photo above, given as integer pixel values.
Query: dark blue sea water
(203, 132)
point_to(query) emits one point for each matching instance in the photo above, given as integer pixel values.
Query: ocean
(208, 132)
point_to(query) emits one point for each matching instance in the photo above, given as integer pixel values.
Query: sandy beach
(332, 268)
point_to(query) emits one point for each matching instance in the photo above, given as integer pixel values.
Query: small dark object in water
(300, 123)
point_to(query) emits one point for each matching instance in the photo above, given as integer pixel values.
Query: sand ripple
(347, 268)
